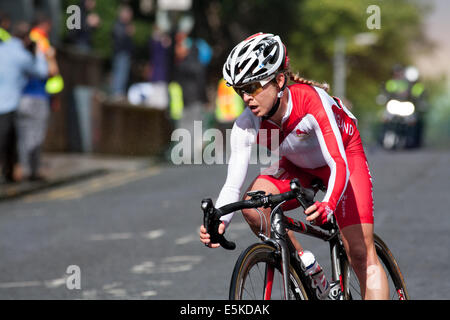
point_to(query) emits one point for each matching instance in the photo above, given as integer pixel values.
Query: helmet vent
(260, 71)
(244, 50)
(255, 58)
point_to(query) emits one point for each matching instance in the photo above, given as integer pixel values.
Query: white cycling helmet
(256, 58)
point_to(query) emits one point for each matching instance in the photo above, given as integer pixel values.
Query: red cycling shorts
(356, 204)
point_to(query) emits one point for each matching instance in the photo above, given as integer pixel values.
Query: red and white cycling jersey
(316, 131)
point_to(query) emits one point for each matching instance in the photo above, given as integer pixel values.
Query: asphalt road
(134, 236)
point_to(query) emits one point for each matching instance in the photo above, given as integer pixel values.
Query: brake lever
(211, 221)
(305, 196)
(206, 206)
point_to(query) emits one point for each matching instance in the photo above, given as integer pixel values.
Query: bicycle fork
(285, 267)
(270, 270)
(280, 234)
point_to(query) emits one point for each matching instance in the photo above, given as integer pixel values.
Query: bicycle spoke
(262, 276)
(251, 283)
(391, 283)
(253, 288)
(248, 292)
(280, 284)
(355, 287)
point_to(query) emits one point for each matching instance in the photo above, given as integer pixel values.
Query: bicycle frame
(278, 238)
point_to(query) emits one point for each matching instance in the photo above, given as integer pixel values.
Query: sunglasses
(253, 88)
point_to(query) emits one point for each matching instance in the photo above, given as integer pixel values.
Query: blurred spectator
(191, 58)
(123, 32)
(34, 107)
(229, 104)
(5, 24)
(82, 38)
(160, 43)
(154, 93)
(17, 62)
(190, 73)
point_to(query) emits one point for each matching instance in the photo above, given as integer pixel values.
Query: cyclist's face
(259, 97)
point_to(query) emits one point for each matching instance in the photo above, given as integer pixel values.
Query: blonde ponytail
(297, 79)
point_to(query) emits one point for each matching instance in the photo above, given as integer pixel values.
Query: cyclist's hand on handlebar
(319, 213)
(205, 237)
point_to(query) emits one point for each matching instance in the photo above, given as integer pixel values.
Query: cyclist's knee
(362, 256)
(358, 256)
(252, 217)
(358, 241)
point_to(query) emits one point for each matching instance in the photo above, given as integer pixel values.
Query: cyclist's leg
(355, 218)
(275, 180)
(360, 248)
(252, 216)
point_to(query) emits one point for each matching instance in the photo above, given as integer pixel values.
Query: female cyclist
(317, 138)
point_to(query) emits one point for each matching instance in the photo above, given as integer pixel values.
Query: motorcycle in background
(401, 128)
(403, 116)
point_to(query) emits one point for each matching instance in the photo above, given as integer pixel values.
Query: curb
(21, 189)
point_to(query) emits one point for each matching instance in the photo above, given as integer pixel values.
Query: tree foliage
(308, 28)
(107, 10)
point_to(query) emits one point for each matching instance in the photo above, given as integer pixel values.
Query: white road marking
(144, 267)
(54, 283)
(187, 239)
(188, 259)
(89, 294)
(118, 293)
(111, 236)
(150, 293)
(167, 265)
(114, 289)
(110, 286)
(22, 284)
(151, 235)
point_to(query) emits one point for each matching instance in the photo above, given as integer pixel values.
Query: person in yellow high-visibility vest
(39, 35)
(5, 23)
(34, 107)
(176, 104)
(228, 103)
(4, 35)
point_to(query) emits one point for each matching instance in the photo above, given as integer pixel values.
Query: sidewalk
(65, 168)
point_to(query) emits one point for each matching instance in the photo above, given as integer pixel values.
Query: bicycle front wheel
(257, 276)
(397, 286)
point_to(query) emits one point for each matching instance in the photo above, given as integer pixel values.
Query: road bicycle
(272, 269)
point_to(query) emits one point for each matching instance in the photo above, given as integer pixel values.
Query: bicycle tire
(248, 261)
(397, 285)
